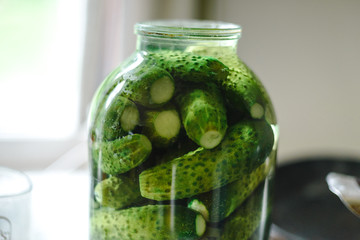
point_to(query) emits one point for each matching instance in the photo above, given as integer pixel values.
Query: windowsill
(60, 204)
(38, 154)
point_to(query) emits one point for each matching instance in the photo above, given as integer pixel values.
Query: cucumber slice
(124, 154)
(149, 86)
(129, 118)
(162, 90)
(188, 67)
(244, 148)
(162, 126)
(117, 191)
(203, 115)
(220, 203)
(151, 222)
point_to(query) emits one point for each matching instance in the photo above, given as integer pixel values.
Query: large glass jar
(182, 140)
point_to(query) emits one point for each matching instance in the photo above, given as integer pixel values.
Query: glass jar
(182, 139)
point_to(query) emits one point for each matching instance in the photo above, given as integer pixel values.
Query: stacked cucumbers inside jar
(180, 142)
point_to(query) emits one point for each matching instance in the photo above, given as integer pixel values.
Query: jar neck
(149, 43)
(182, 34)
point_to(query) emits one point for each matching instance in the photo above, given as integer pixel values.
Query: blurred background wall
(306, 52)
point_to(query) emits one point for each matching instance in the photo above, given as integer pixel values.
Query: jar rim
(14, 183)
(193, 29)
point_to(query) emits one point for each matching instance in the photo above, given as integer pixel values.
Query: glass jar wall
(182, 139)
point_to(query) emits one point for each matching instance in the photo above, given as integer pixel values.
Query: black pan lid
(305, 207)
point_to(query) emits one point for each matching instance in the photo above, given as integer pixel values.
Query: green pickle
(151, 222)
(117, 191)
(241, 87)
(189, 67)
(182, 142)
(149, 86)
(203, 170)
(124, 154)
(203, 115)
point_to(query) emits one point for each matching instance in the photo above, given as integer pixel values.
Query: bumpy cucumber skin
(149, 128)
(242, 87)
(221, 202)
(124, 154)
(242, 224)
(245, 147)
(269, 114)
(98, 102)
(138, 84)
(202, 109)
(182, 146)
(151, 222)
(241, 90)
(188, 67)
(117, 191)
(108, 86)
(108, 125)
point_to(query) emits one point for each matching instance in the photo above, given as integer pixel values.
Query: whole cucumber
(117, 191)
(123, 154)
(148, 85)
(241, 87)
(245, 147)
(188, 67)
(203, 115)
(116, 119)
(151, 222)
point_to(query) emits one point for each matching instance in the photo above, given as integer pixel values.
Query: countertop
(60, 205)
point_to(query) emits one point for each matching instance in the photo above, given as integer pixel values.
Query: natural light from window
(41, 50)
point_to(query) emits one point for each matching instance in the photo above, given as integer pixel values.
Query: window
(40, 68)
(41, 55)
